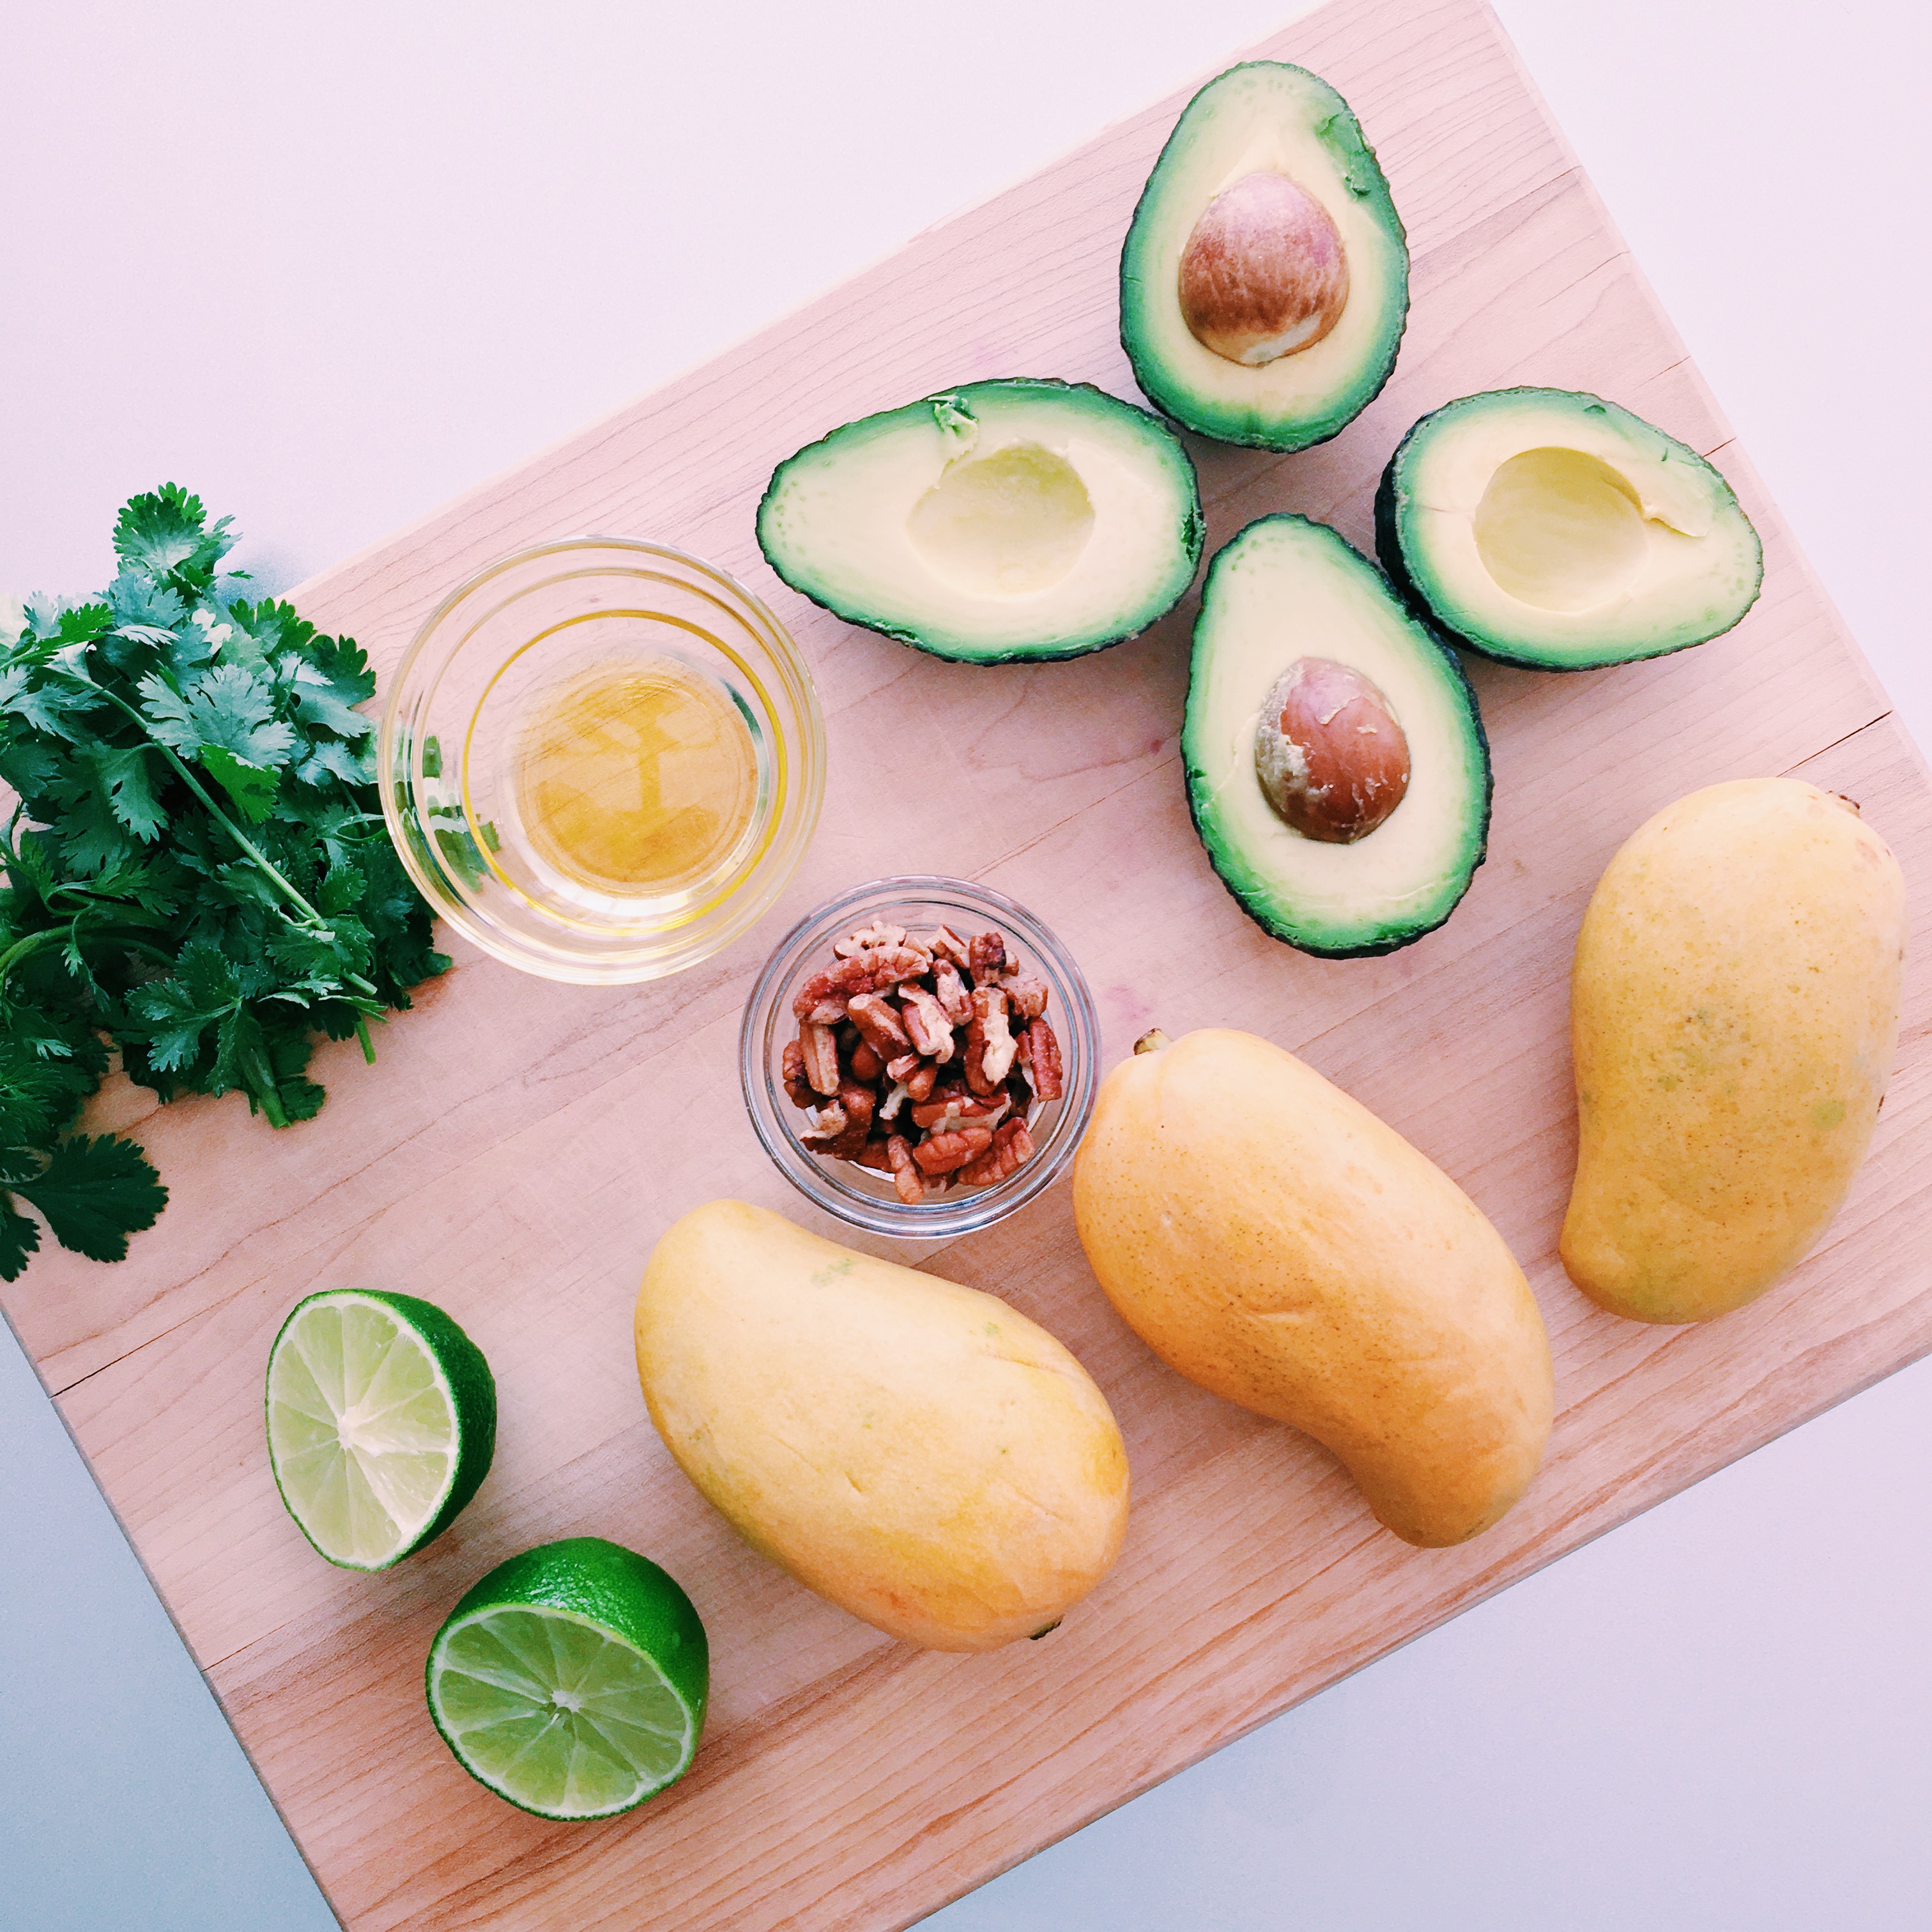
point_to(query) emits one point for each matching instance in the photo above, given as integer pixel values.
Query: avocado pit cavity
(1263, 274)
(1331, 758)
(1560, 530)
(1003, 524)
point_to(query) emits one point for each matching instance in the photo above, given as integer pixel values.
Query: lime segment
(571, 1680)
(382, 1420)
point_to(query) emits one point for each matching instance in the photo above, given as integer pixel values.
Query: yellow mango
(1734, 1012)
(1272, 1240)
(918, 1453)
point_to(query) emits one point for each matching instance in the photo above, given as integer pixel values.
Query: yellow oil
(636, 777)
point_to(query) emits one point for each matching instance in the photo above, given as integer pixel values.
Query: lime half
(572, 1680)
(382, 1420)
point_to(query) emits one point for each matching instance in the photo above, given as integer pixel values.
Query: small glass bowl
(463, 698)
(859, 1195)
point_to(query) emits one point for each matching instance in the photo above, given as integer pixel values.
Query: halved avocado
(1549, 528)
(1222, 247)
(1015, 519)
(1288, 608)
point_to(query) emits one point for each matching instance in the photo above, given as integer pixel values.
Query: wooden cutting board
(519, 1146)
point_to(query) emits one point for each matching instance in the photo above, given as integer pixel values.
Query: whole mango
(918, 1453)
(1734, 1013)
(1269, 1237)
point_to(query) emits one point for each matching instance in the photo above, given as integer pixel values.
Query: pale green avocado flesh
(1009, 520)
(1265, 117)
(1286, 589)
(1549, 528)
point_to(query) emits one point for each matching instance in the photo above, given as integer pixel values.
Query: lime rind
(572, 1680)
(381, 1421)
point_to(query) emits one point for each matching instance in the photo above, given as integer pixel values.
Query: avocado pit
(1264, 274)
(1332, 760)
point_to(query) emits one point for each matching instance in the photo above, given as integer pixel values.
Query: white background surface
(329, 266)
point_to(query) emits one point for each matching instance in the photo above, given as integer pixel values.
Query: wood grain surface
(519, 1146)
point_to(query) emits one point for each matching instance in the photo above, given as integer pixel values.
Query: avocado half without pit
(1010, 520)
(1549, 528)
(1336, 767)
(1264, 281)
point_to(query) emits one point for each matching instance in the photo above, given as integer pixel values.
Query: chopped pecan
(950, 992)
(819, 1001)
(1011, 1148)
(908, 1182)
(818, 1053)
(827, 1124)
(1026, 993)
(919, 1083)
(928, 1026)
(866, 1065)
(874, 1154)
(945, 943)
(986, 955)
(876, 1020)
(869, 936)
(904, 1067)
(990, 1046)
(791, 1071)
(947, 1153)
(948, 1112)
(1044, 1073)
(890, 1106)
(858, 1103)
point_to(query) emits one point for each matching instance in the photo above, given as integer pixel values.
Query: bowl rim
(802, 733)
(947, 1217)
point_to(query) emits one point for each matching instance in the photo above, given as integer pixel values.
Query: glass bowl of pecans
(919, 1056)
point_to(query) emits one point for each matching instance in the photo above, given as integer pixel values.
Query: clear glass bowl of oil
(601, 759)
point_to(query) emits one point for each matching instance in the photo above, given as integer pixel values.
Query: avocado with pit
(1337, 768)
(1264, 280)
(1549, 528)
(1019, 519)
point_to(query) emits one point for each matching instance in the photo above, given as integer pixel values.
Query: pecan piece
(827, 1124)
(947, 1153)
(890, 1106)
(990, 1045)
(986, 955)
(949, 1112)
(819, 1001)
(945, 944)
(867, 938)
(919, 1083)
(904, 1066)
(791, 1071)
(818, 1054)
(908, 1182)
(931, 1035)
(1026, 993)
(1045, 1075)
(874, 1154)
(876, 1019)
(1012, 1148)
(866, 1065)
(950, 992)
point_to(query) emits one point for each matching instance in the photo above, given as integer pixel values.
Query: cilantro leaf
(177, 1011)
(228, 707)
(165, 535)
(126, 782)
(253, 788)
(93, 1194)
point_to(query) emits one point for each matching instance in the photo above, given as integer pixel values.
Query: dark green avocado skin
(1390, 496)
(1365, 177)
(1193, 533)
(1372, 949)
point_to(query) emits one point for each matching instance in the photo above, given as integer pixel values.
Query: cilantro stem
(21, 948)
(368, 1045)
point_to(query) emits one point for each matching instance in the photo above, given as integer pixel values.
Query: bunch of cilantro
(196, 870)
